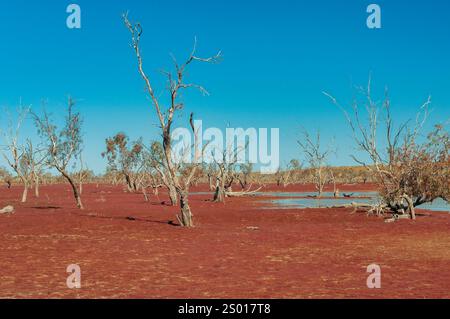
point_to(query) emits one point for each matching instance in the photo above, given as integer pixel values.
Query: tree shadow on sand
(131, 219)
(46, 207)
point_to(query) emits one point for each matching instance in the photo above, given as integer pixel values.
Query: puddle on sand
(298, 200)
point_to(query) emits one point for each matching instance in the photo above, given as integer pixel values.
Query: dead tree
(225, 175)
(332, 179)
(152, 174)
(245, 174)
(83, 174)
(176, 84)
(317, 159)
(154, 159)
(36, 160)
(229, 172)
(285, 177)
(210, 171)
(409, 172)
(63, 146)
(15, 154)
(6, 177)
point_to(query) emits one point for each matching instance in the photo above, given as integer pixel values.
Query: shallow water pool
(298, 200)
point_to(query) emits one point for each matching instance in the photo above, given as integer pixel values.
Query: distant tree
(124, 157)
(317, 157)
(35, 158)
(225, 174)
(245, 174)
(154, 164)
(227, 171)
(15, 153)
(84, 174)
(285, 177)
(64, 145)
(111, 176)
(209, 170)
(333, 180)
(6, 177)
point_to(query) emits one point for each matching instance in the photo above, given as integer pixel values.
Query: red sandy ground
(293, 254)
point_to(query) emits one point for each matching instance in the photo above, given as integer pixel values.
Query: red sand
(293, 254)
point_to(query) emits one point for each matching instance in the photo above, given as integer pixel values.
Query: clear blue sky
(278, 58)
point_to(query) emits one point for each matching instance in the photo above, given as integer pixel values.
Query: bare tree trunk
(319, 187)
(411, 209)
(185, 217)
(25, 192)
(335, 189)
(320, 182)
(128, 181)
(144, 191)
(173, 195)
(278, 182)
(76, 194)
(36, 186)
(286, 177)
(211, 184)
(219, 195)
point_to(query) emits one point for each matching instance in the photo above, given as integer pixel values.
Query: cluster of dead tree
(316, 171)
(31, 159)
(139, 166)
(225, 173)
(410, 166)
(142, 167)
(156, 165)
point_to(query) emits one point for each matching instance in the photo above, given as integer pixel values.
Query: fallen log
(377, 209)
(353, 205)
(8, 210)
(248, 192)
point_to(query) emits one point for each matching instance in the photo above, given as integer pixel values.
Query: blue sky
(278, 58)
